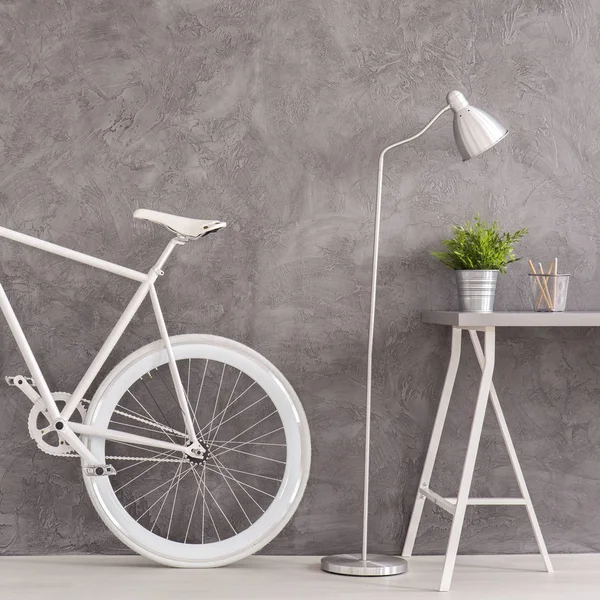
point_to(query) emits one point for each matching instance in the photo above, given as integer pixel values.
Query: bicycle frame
(69, 429)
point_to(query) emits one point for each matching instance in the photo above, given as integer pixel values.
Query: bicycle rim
(205, 513)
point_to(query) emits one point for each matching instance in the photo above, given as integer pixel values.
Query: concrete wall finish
(270, 115)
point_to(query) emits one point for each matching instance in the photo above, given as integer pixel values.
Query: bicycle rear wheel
(187, 513)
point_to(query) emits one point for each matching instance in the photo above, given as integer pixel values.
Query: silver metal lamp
(475, 131)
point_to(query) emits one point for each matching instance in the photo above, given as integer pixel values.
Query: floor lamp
(474, 132)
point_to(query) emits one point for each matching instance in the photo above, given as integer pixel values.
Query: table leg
(434, 443)
(514, 461)
(469, 466)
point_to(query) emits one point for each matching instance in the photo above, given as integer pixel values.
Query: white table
(486, 323)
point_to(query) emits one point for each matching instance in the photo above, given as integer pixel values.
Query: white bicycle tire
(268, 526)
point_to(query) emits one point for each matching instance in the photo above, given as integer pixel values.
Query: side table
(474, 323)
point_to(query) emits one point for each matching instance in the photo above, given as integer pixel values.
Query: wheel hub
(197, 453)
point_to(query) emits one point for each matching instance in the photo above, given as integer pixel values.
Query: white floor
(577, 577)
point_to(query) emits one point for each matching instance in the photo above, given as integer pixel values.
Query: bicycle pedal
(18, 380)
(99, 470)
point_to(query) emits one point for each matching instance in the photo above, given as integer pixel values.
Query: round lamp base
(376, 565)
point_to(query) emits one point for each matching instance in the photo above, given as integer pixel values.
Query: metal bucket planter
(476, 290)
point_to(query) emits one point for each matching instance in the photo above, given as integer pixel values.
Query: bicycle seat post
(157, 269)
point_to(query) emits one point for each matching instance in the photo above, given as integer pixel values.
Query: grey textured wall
(270, 115)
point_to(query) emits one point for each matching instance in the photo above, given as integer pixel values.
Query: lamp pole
(372, 318)
(474, 131)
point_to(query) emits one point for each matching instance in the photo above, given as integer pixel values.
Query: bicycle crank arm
(93, 468)
(25, 384)
(65, 431)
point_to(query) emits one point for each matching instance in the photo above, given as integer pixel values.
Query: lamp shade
(475, 131)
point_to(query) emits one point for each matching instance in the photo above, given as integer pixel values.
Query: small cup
(549, 292)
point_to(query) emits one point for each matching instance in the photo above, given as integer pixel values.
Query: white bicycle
(210, 442)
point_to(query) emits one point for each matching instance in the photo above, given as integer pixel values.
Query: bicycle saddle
(182, 226)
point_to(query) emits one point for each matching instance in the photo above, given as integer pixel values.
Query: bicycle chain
(142, 420)
(143, 459)
(163, 428)
(137, 458)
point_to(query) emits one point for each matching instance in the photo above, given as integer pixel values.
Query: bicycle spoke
(252, 426)
(173, 395)
(220, 509)
(258, 437)
(173, 508)
(248, 454)
(234, 494)
(207, 508)
(228, 403)
(137, 476)
(151, 491)
(200, 390)
(230, 469)
(148, 493)
(156, 403)
(218, 394)
(165, 454)
(252, 441)
(208, 425)
(203, 502)
(217, 444)
(241, 486)
(187, 531)
(167, 495)
(248, 494)
(238, 413)
(241, 482)
(144, 409)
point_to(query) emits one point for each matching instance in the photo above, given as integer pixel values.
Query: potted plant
(477, 253)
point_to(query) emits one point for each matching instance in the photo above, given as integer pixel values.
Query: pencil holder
(549, 292)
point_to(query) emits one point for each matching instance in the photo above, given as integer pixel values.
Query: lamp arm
(372, 318)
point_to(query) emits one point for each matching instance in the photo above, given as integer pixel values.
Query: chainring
(49, 442)
(44, 435)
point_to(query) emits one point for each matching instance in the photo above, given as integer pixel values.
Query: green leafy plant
(480, 245)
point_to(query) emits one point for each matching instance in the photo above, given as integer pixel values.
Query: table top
(512, 319)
